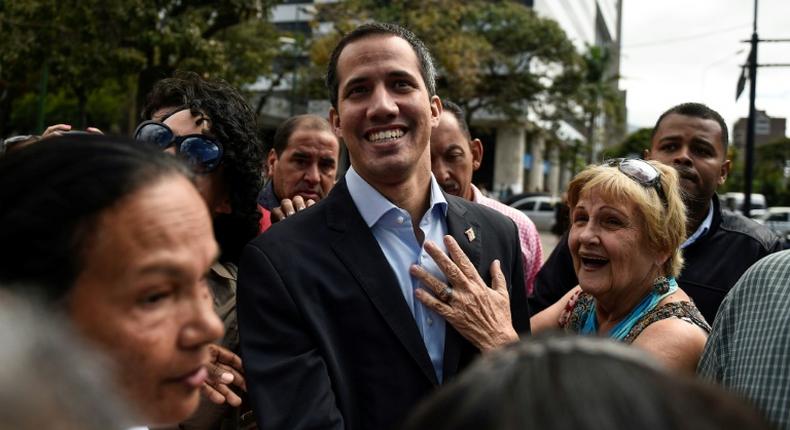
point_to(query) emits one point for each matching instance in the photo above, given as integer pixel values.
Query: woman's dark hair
(578, 383)
(51, 194)
(233, 124)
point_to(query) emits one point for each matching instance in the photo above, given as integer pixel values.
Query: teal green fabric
(621, 330)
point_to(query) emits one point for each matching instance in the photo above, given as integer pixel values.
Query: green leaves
(90, 43)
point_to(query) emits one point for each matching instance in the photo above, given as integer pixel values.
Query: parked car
(521, 196)
(540, 209)
(777, 219)
(734, 202)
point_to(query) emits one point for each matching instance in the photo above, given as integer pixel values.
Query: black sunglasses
(201, 152)
(640, 171)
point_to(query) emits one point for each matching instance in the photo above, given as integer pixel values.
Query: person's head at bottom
(49, 379)
(577, 383)
(116, 236)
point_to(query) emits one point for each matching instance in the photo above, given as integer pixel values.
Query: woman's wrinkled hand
(479, 313)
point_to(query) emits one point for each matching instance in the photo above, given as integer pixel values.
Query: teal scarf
(663, 287)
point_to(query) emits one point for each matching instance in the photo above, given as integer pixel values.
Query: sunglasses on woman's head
(640, 171)
(201, 152)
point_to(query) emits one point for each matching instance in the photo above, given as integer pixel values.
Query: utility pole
(749, 167)
(749, 171)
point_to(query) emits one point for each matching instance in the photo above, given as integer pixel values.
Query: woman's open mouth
(593, 263)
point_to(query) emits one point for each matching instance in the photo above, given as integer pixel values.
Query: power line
(685, 38)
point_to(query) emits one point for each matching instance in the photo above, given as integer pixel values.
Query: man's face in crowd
(454, 157)
(384, 112)
(694, 148)
(211, 185)
(307, 165)
(142, 296)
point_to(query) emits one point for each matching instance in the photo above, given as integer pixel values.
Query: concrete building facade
(767, 129)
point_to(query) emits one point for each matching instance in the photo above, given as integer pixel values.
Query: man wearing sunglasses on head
(720, 246)
(210, 126)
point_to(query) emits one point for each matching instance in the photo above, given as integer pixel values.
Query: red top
(266, 219)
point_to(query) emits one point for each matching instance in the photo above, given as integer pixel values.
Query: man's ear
(725, 171)
(436, 110)
(646, 154)
(270, 161)
(334, 121)
(476, 146)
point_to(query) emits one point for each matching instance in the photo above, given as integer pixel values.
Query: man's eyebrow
(299, 154)
(161, 268)
(671, 137)
(356, 81)
(392, 74)
(401, 74)
(702, 141)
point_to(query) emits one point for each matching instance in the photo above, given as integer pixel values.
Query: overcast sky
(675, 51)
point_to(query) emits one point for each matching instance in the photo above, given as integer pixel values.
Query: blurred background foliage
(91, 62)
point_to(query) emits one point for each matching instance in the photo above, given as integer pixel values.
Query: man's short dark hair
(697, 110)
(294, 123)
(427, 68)
(233, 124)
(460, 116)
(51, 194)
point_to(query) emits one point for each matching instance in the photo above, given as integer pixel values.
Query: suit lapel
(470, 237)
(466, 231)
(359, 251)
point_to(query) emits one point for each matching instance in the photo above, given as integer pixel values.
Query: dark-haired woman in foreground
(115, 235)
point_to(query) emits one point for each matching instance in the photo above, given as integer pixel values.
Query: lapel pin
(470, 234)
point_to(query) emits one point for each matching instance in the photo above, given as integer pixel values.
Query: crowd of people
(185, 278)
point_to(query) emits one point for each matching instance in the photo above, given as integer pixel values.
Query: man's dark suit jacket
(327, 338)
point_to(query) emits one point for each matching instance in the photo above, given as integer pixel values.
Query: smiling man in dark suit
(337, 327)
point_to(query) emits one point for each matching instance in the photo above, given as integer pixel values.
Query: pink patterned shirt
(527, 234)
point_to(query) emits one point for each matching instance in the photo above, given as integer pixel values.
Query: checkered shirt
(748, 350)
(527, 234)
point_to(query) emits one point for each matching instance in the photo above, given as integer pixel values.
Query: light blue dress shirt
(392, 228)
(701, 230)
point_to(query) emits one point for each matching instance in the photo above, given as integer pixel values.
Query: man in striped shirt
(454, 157)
